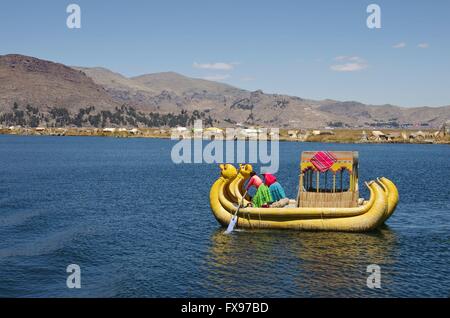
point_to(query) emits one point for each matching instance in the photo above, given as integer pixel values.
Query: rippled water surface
(141, 226)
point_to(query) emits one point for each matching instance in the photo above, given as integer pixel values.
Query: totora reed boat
(327, 199)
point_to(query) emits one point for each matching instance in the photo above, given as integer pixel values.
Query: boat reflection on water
(298, 264)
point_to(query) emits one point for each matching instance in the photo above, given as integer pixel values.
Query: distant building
(303, 135)
(364, 136)
(393, 136)
(445, 129)
(250, 133)
(420, 135)
(274, 135)
(322, 132)
(180, 129)
(404, 136)
(181, 133)
(378, 135)
(293, 134)
(214, 130)
(213, 133)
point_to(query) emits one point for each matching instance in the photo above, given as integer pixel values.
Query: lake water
(140, 226)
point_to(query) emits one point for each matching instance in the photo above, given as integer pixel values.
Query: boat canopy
(334, 161)
(328, 178)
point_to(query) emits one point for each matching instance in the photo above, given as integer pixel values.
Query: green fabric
(262, 196)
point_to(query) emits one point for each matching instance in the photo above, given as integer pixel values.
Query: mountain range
(38, 92)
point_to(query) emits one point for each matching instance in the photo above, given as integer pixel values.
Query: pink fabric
(323, 160)
(269, 179)
(254, 181)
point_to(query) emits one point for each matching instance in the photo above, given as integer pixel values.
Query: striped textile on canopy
(323, 160)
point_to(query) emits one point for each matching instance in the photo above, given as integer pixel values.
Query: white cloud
(217, 77)
(348, 67)
(340, 58)
(215, 66)
(423, 45)
(348, 64)
(399, 45)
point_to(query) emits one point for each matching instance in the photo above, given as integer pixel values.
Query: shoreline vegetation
(412, 136)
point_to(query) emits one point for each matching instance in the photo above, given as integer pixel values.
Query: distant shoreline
(353, 136)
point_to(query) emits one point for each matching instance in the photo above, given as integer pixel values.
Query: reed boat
(327, 199)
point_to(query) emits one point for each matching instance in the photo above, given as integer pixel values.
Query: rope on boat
(248, 219)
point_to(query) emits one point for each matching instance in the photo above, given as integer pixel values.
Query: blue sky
(311, 49)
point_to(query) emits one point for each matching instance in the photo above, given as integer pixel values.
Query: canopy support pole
(317, 181)
(334, 182)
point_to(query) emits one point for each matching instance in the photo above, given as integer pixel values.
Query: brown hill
(168, 99)
(44, 84)
(170, 92)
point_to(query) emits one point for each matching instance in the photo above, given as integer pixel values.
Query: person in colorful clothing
(262, 197)
(277, 193)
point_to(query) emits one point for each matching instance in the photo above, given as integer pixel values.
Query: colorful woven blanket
(323, 160)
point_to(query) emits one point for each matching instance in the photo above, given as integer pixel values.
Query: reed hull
(227, 191)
